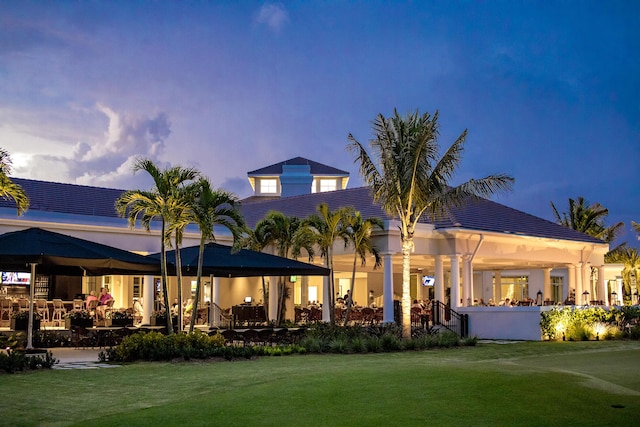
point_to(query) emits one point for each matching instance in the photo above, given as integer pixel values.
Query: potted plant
(159, 318)
(20, 321)
(119, 318)
(78, 318)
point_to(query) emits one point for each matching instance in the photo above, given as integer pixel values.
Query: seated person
(91, 297)
(174, 307)
(137, 309)
(105, 300)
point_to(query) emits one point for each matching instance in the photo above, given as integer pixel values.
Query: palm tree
(630, 258)
(636, 227)
(359, 232)
(588, 219)
(9, 189)
(159, 203)
(409, 180)
(329, 226)
(211, 207)
(289, 236)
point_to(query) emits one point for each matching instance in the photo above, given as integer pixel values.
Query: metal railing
(444, 316)
(220, 319)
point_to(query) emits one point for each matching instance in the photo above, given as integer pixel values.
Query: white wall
(505, 323)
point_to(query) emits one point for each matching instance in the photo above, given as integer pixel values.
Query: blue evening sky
(549, 91)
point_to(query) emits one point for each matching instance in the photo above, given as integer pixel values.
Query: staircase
(443, 317)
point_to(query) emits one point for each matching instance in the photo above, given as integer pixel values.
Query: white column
(571, 283)
(215, 300)
(578, 272)
(602, 292)
(273, 298)
(467, 297)
(387, 289)
(148, 294)
(439, 277)
(487, 287)
(455, 281)
(546, 293)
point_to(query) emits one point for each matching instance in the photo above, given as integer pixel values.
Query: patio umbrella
(220, 261)
(60, 254)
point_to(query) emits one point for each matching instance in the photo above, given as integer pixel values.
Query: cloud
(274, 15)
(108, 162)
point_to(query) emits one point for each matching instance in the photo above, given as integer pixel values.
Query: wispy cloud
(274, 15)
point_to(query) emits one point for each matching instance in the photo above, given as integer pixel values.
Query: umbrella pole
(31, 293)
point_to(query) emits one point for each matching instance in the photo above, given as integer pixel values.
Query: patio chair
(78, 304)
(92, 308)
(23, 304)
(58, 311)
(6, 307)
(42, 308)
(81, 337)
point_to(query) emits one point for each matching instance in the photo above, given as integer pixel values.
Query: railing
(443, 315)
(220, 319)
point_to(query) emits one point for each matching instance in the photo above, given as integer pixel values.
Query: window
(137, 286)
(327, 185)
(556, 288)
(268, 186)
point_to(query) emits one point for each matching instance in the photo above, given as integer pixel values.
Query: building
(477, 255)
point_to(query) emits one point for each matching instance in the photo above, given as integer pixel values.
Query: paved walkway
(79, 358)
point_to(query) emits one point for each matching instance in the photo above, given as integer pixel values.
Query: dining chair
(6, 307)
(23, 304)
(42, 308)
(58, 311)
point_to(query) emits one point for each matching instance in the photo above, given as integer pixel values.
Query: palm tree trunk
(353, 280)
(406, 287)
(165, 288)
(265, 298)
(196, 299)
(332, 290)
(179, 280)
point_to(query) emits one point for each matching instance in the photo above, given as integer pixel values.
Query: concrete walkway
(79, 358)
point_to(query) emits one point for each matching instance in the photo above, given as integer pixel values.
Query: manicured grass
(550, 383)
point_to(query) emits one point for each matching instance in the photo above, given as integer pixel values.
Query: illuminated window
(268, 186)
(327, 185)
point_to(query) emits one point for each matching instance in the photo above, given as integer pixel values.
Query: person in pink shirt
(104, 298)
(91, 297)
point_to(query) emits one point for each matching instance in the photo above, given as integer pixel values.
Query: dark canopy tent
(61, 254)
(221, 261)
(58, 254)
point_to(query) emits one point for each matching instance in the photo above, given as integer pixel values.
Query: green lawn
(534, 383)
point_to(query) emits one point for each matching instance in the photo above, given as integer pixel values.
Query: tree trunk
(407, 244)
(196, 299)
(353, 281)
(165, 287)
(179, 280)
(265, 298)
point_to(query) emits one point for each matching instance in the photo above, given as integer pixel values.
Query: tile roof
(67, 198)
(481, 215)
(316, 168)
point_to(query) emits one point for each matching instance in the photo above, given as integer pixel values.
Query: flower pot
(23, 324)
(84, 323)
(119, 322)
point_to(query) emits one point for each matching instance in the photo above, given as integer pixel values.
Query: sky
(548, 91)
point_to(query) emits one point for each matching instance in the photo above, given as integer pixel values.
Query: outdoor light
(585, 297)
(539, 298)
(614, 298)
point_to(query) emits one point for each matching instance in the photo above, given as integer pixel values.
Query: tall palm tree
(630, 258)
(329, 226)
(211, 207)
(636, 227)
(9, 189)
(359, 232)
(589, 219)
(289, 236)
(409, 180)
(159, 203)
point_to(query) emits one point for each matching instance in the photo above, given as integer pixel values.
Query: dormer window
(327, 185)
(269, 186)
